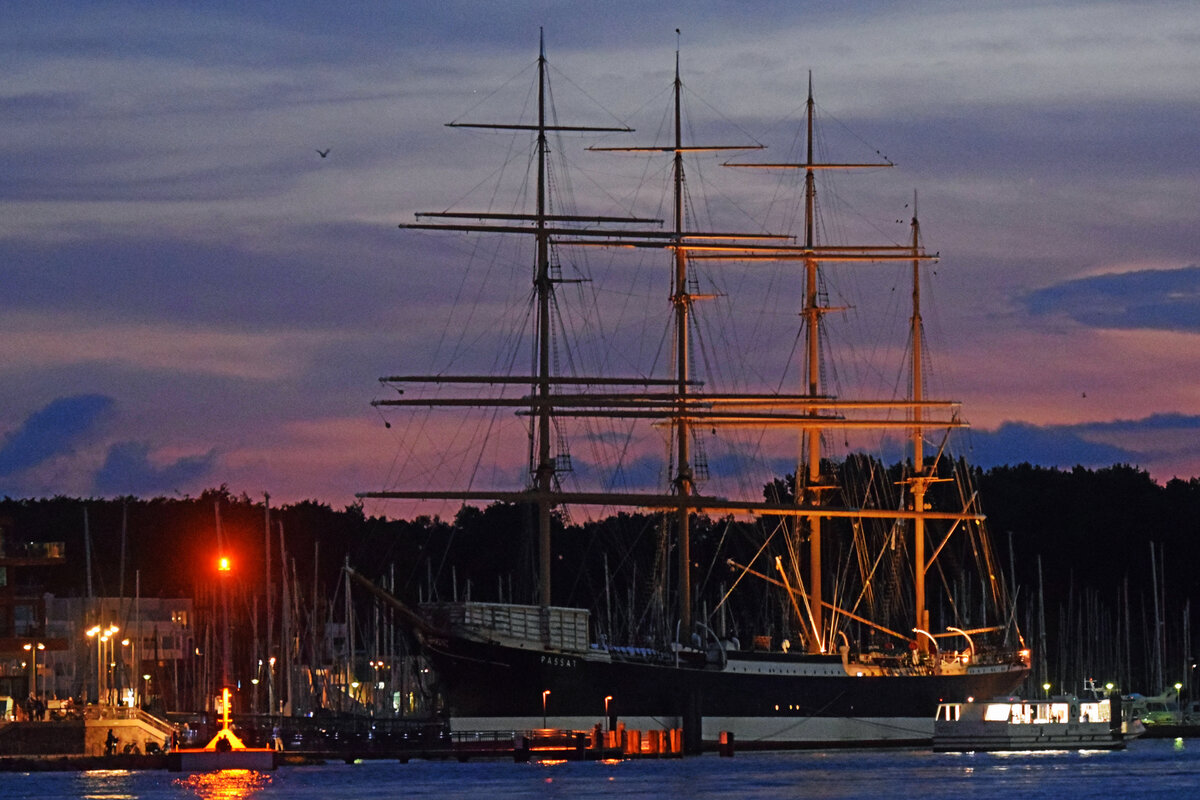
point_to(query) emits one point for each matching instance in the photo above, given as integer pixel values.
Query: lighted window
(949, 712)
(996, 712)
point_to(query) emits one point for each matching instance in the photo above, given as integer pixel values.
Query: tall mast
(542, 382)
(811, 486)
(920, 480)
(682, 302)
(683, 484)
(812, 316)
(269, 602)
(544, 471)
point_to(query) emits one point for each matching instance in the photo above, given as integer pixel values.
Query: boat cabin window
(1060, 712)
(1045, 713)
(949, 712)
(1097, 711)
(1022, 714)
(996, 712)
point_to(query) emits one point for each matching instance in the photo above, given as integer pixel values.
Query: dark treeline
(1080, 544)
(1107, 540)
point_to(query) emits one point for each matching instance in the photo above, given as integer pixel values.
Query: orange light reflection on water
(107, 784)
(225, 784)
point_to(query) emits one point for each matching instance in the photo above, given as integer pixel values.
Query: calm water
(1149, 768)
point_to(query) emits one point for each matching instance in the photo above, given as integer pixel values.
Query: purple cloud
(1154, 299)
(127, 470)
(52, 431)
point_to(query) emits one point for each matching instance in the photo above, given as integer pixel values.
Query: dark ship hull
(767, 700)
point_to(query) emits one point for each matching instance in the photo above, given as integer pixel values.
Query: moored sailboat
(870, 664)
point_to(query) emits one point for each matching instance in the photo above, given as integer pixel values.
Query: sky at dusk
(193, 296)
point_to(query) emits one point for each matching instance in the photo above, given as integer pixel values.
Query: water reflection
(225, 784)
(106, 784)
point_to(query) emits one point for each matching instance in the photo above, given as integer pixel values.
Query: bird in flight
(323, 153)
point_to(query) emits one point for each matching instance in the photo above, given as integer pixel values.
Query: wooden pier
(341, 743)
(547, 744)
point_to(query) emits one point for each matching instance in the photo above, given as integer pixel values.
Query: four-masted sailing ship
(862, 660)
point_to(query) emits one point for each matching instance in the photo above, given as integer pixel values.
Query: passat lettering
(558, 661)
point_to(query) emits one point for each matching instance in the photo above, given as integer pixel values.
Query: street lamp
(607, 718)
(122, 670)
(92, 633)
(106, 665)
(102, 668)
(1046, 689)
(377, 685)
(33, 651)
(545, 694)
(255, 681)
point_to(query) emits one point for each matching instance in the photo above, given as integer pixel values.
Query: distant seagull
(323, 153)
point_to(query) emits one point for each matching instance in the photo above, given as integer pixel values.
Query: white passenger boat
(1063, 722)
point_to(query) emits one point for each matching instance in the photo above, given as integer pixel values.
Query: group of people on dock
(35, 708)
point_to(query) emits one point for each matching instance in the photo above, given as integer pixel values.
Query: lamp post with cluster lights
(103, 637)
(33, 649)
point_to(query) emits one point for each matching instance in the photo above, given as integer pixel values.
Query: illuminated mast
(811, 485)
(683, 484)
(810, 494)
(921, 478)
(685, 478)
